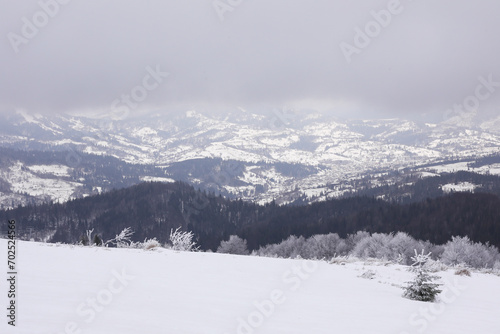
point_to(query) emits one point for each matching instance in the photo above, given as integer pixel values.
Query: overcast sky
(424, 57)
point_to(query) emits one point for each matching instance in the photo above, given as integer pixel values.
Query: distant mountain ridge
(282, 156)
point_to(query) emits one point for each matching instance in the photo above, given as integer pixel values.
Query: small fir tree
(421, 288)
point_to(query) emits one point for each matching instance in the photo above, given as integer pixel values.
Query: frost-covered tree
(88, 236)
(422, 287)
(150, 244)
(182, 241)
(461, 250)
(400, 245)
(121, 240)
(290, 248)
(353, 239)
(324, 246)
(235, 245)
(392, 247)
(374, 246)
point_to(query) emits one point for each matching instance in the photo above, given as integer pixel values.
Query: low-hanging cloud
(80, 56)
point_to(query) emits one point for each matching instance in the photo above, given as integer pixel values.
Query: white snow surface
(492, 169)
(56, 170)
(156, 179)
(73, 289)
(27, 180)
(459, 187)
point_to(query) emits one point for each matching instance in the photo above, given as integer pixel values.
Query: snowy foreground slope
(70, 289)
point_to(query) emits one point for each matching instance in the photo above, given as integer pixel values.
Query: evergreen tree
(421, 288)
(84, 240)
(97, 241)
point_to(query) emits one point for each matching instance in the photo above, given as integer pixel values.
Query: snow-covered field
(56, 170)
(493, 169)
(40, 180)
(156, 179)
(71, 289)
(462, 186)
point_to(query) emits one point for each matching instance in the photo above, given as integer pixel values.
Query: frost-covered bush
(393, 247)
(353, 239)
(121, 240)
(496, 266)
(235, 245)
(342, 248)
(290, 248)
(400, 245)
(374, 246)
(433, 266)
(182, 241)
(323, 246)
(435, 250)
(342, 260)
(461, 250)
(150, 244)
(320, 246)
(455, 251)
(389, 247)
(369, 274)
(462, 272)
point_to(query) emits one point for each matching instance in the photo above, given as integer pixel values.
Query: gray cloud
(274, 53)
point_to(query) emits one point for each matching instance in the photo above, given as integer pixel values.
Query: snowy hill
(71, 289)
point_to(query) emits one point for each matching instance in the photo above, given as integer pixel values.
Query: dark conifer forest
(153, 209)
